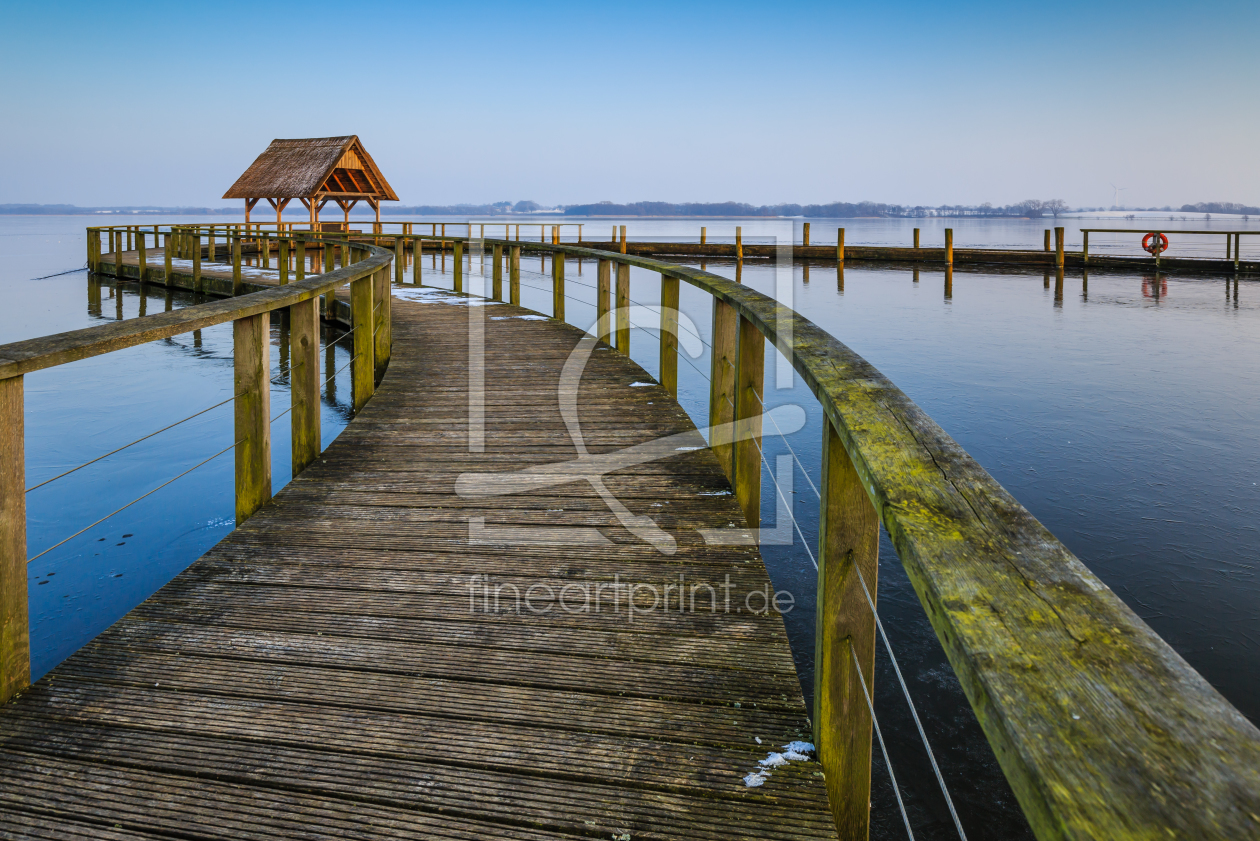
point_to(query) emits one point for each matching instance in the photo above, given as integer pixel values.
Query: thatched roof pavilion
(315, 171)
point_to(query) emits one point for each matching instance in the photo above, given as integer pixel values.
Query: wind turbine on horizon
(1115, 195)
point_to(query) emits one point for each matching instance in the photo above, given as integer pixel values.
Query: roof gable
(305, 167)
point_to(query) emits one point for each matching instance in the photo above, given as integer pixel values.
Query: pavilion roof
(312, 167)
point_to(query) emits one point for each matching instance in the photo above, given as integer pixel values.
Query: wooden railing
(1102, 730)
(365, 269)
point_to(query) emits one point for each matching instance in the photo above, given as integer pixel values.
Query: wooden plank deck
(331, 670)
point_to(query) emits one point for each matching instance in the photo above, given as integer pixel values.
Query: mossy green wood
(362, 366)
(238, 285)
(848, 540)
(1101, 728)
(557, 285)
(380, 323)
(669, 334)
(496, 272)
(459, 266)
(623, 307)
(514, 275)
(15, 646)
(603, 299)
(304, 380)
(282, 262)
(749, 377)
(722, 384)
(299, 261)
(251, 348)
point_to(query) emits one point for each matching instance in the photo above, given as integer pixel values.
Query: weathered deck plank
(324, 673)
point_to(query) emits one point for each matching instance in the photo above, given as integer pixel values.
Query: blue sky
(914, 103)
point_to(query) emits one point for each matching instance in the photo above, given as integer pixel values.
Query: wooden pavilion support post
(557, 285)
(845, 626)
(15, 644)
(514, 275)
(363, 366)
(603, 300)
(304, 382)
(669, 334)
(252, 353)
(496, 272)
(622, 307)
(722, 384)
(749, 376)
(459, 266)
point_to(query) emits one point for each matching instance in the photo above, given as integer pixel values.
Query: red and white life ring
(1148, 244)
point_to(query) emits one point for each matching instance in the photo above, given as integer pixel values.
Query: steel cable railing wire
(882, 747)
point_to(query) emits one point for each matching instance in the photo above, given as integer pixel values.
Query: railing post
(282, 262)
(252, 354)
(1058, 247)
(496, 273)
(210, 245)
(722, 383)
(848, 538)
(804, 233)
(623, 239)
(669, 334)
(514, 273)
(380, 322)
(400, 260)
(166, 259)
(739, 243)
(363, 367)
(557, 286)
(15, 644)
(1085, 245)
(840, 244)
(238, 286)
(749, 377)
(264, 248)
(916, 237)
(459, 266)
(417, 251)
(304, 382)
(603, 299)
(194, 241)
(623, 307)
(299, 261)
(142, 273)
(949, 246)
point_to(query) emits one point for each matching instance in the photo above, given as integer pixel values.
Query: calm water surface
(1121, 413)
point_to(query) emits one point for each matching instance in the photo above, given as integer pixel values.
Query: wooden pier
(458, 621)
(337, 667)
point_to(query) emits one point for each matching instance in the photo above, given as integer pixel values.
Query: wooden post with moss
(557, 285)
(363, 366)
(722, 376)
(380, 323)
(848, 542)
(749, 377)
(459, 265)
(304, 383)
(238, 285)
(496, 272)
(669, 334)
(622, 307)
(251, 341)
(283, 262)
(514, 275)
(15, 645)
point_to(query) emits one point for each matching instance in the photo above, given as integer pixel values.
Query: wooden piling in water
(142, 268)
(805, 233)
(238, 285)
(557, 286)
(750, 374)
(603, 300)
(669, 334)
(1085, 246)
(1058, 247)
(1046, 246)
(703, 236)
(15, 646)
(251, 341)
(623, 239)
(949, 246)
(304, 383)
(739, 243)
(458, 257)
(916, 237)
(514, 275)
(839, 245)
(417, 248)
(623, 308)
(848, 542)
(496, 273)
(195, 242)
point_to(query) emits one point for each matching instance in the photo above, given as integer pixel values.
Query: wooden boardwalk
(336, 667)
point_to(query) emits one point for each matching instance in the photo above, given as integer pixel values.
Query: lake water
(1120, 412)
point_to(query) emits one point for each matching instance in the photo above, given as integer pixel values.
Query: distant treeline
(1220, 207)
(462, 209)
(74, 210)
(835, 210)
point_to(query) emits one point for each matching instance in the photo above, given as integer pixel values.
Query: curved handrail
(1101, 728)
(48, 351)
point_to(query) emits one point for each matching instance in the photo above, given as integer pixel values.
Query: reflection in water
(1084, 284)
(1155, 287)
(1058, 287)
(840, 278)
(949, 282)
